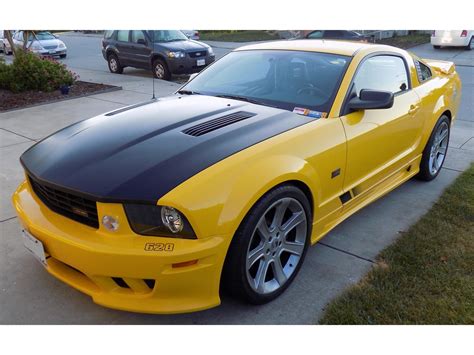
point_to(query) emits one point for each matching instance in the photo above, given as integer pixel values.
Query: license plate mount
(34, 246)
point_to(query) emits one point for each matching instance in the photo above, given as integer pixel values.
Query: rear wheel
(114, 64)
(470, 44)
(160, 70)
(63, 56)
(435, 151)
(436, 47)
(269, 247)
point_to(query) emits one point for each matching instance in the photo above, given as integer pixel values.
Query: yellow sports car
(159, 206)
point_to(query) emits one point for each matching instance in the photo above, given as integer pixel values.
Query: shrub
(6, 75)
(31, 72)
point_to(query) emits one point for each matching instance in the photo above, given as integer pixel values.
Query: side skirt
(357, 202)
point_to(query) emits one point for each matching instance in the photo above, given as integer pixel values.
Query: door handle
(413, 109)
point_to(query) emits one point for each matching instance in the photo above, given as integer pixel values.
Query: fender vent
(217, 123)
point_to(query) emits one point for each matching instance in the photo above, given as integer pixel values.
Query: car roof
(347, 48)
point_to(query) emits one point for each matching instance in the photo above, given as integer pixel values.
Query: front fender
(216, 200)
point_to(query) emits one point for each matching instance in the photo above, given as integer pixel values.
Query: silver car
(4, 44)
(42, 43)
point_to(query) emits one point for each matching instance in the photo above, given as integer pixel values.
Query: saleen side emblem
(335, 173)
(159, 247)
(80, 212)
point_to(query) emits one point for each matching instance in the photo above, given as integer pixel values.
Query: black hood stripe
(140, 155)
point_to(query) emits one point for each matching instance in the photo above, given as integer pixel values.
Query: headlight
(176, 54)
(61, 45)
(161, 221)
(210, 51)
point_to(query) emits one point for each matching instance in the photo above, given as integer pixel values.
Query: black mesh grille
(69, 205)
(217, 123)
(198, 54)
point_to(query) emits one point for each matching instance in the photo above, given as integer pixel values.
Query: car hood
(186, 46)
(138, 154)
(49, 42)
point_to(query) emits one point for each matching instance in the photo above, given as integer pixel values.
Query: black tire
(436, 47)
(234, 276)
(63, 56)
(160, 70)
(114, 64)
(469, 45)
(426, 174)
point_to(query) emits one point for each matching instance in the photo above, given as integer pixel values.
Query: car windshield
(41, 36)
(167, 36)
(279, 78)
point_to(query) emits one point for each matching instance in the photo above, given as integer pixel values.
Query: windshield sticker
(309, 113)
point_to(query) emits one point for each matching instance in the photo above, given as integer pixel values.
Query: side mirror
(141, 41)
(192, 76)
(371, 99)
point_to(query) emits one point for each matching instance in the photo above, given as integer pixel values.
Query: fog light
(172, 219)
(110, 223)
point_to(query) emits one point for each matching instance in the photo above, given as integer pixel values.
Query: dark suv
(165, 52)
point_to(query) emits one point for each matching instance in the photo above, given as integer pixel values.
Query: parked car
(149, 207)
(42, 43)
(337, 34)
(457, 38)
(165, 52)
(191, 34)
(4, 44)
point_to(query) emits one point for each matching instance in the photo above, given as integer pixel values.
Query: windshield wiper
(244, 98)
(188, 92)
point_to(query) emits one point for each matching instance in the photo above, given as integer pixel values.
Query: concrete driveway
(28, 295)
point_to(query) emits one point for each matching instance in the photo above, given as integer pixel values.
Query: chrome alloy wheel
(159, 71)
(439, 148)
(276, 245)
(113, 64)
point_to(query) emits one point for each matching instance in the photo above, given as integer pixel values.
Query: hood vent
(217, 123)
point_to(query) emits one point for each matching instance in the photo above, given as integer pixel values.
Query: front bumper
(188, 65)
(118, 269)
(52, 52)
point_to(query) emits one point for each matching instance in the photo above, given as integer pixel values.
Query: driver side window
(383, 73)
(316, 34)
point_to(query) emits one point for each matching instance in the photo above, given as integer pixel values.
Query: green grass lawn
(237, 36)
(426, 276)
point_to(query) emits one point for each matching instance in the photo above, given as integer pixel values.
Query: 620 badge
(159, 247)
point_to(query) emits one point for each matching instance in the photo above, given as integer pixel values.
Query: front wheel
(62, 56)
(435, 151)
(160, 70)
(436, 47)
(269, 247)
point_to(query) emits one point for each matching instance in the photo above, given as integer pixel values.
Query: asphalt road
(28, 295)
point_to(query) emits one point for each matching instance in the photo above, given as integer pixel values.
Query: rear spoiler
(441, 66)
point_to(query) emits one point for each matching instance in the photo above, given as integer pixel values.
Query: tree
(26, 36)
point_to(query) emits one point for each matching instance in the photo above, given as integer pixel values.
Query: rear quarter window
(108, 34)
(423, 71)
(122, 36)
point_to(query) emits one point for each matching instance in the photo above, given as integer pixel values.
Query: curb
(103, 91)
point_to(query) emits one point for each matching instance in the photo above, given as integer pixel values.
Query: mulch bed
(10, 100)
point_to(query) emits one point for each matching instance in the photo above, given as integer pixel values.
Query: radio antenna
(152, 67)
